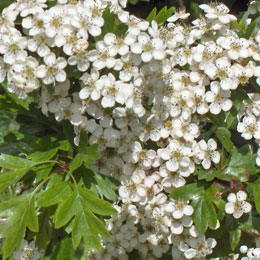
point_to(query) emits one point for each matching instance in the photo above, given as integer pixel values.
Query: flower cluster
(139, 94)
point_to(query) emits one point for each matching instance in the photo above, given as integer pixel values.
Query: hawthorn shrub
(123, 138)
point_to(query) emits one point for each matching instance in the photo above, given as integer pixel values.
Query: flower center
(221, 74)
(96, 12)
(176, 155)
(39, 23)
(27, 253)
(168, 125)
(148, 47)
(28, 72)
(13, 48)
(112, 90)
(56, 22)
(52, 70)
(142, 154)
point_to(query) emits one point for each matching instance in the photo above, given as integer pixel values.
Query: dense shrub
(126, 138)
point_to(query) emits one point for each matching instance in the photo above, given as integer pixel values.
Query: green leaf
(238, 97)
(164, 14)
(14, 162)
(54, 194)
(205, 215)
(31, 216)
(152, 15)
(250, 29)
(43, 237)
(8, 178)
(188, 192)
(63, 250)
(224, 136)
(256, 194)
(80, 206)
(239, 26)
(109, 22)
(195, 10)
(83, 142)
(76, 162)
(241, 165)
(13, 229)
(95, 204)
(42, 171)
(210, 174)
(234, 237)
(105, 186)
(40, 156)
(24, 103)
(217, 120)
(92, 154)
(66, 210)
(5, 3)
(231, 119)
(51, 3)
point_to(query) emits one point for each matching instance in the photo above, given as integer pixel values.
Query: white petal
(61, 76)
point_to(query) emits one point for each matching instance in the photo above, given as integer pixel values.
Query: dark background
(143, 8)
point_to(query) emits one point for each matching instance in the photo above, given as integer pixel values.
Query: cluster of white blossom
(139, 94)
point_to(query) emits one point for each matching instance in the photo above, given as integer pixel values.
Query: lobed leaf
(14, 162)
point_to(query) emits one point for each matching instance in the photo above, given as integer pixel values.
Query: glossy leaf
(250, 29)
(39, 156)
(23, 215)
(14, 162)
(241, 165)
(8, 178)
(54, 194)
(164, 14)
(224, 136)
(105, 187)
(187, 192)
(152, 15)
(234, 238)
(80, 205)
(204, 211)
(256, 193)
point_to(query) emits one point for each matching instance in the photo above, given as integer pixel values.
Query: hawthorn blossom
(218, 11)
(52, 70)
(12, 46)
(206, 152)
(28, 251)
(148, 48)
(218, 98)
(237, 204)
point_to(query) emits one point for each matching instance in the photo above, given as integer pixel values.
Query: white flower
(28, 251)
(142, 155)
(176, 155)
(200, 247)
(114, 91)
(148, 48)
(53, 69)
(206, 153)
(219, 11)
(218, 98)
(54, 19)
(181, 14)
(178, 209)
(237, 204)
(34, 24)
(102, 56)
(12, 46)
(249, 127)
(39, 44)
(252, 253)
